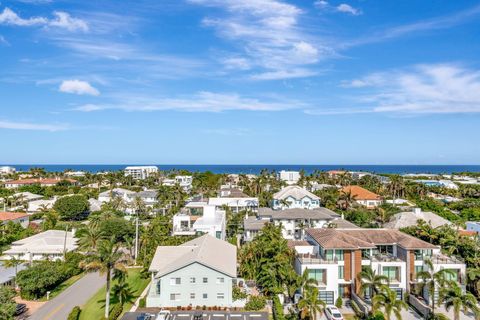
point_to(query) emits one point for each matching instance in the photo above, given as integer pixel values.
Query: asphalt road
(76, 295)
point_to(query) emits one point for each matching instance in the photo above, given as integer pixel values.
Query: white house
(28, 196)
(50, 244)
(7, 170)
(292, 197)
(290, 177)
(199, 218)
(15, 217)
(140, 172)
(149, 197)
(183, 181)
(38, 205)
(199, 272)
(235, 204)
(410, 218)
(362, 196)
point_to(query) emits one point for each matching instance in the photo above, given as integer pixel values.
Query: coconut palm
(123, 292)
(305, 282)
(431, 281)
(453, 297)
(309, 305)
(346, 200)
(90, 237)
(106, 259)
(372, 282)
(388, 302)
(13, 263)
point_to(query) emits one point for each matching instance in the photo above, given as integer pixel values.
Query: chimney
(417, 210)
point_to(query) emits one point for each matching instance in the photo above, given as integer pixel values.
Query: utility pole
(136, 237)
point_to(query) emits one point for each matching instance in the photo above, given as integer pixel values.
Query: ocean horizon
(255, 169)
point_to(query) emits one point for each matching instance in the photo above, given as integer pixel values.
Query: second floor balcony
(306, 258)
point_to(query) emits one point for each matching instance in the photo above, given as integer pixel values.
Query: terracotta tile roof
(358, 238)
(294, 243)
(361, 193)
(6, 216)
(467, 233)
(39, 181)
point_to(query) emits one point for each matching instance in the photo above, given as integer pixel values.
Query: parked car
(21, 308)
(333, 313)
(146, 316)
(164, 315)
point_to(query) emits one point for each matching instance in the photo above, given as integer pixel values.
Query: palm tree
(305, 282)
(90, 237)
(431, 280)
(453, 296)
(13, 263)
(285, 203)
(372, 282)
(123, 292)
(105, 259)
(387, 300)
(346, 199)
(474, 277)
(310, 304)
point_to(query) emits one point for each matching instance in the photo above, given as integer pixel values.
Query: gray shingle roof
(299, 213)
(295, 192)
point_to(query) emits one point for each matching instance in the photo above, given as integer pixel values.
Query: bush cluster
(74, 314)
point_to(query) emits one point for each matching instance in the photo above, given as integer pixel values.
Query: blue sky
(240, 82)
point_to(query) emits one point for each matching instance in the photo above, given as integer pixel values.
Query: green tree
(74, 207)
(7, 304)
(453, 297)
(387, 301)
(310, 305)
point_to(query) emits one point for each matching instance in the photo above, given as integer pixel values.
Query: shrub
(75, 313)
(115, 312)
(339, 302)
(255, 303)
(238, 294)
(73, 207)
(277, 309)
(142, 303)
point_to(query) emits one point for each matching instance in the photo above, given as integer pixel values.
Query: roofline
(188, 264)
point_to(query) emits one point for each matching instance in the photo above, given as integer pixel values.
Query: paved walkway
(76, 295)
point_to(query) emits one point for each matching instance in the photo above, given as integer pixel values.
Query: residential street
(76, 295)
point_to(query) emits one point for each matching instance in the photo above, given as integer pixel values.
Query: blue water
(255, 169)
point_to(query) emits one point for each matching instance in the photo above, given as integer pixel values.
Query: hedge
(74, 314)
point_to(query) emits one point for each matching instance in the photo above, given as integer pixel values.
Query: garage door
(326, 296)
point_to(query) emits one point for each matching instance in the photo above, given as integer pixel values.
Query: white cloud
(4, 41)
(346, 8)
(423, 89)
(78, 87)
(61, 20)
(202, 101)
(270, 35)
(5, 124)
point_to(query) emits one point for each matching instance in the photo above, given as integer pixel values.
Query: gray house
(197, 273)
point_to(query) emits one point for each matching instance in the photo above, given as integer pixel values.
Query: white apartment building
(249, 204)
(295, 197)
(200, 272)
(7, 170)
(140, 172)
(290, 177)
(200, 218)
(335, 257)
(149, 197)
(183, 181)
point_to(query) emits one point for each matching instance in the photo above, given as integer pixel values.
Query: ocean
(255, 169)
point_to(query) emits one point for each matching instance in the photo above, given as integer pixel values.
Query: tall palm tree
(310, 304)
(306, 283)
(90, 237)
(106, 259)
(13, 263)
(346, 199)
(372, 282)
(388, 302)
(474, 279)
(453, 297)
(431, 281)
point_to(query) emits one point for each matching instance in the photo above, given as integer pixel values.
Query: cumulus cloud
(61, 20)
(78, 87)
(346, 8)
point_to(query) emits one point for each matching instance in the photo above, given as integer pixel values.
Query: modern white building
(200, 272)
(149, 197)
(336, 257)
(7, 170)
(294, 222)
(51, 245)
(200, 218)
(293, 197)
(140, 172)
(290, 177)
(183, 181)
(249, 204)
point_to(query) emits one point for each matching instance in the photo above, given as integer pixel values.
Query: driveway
(76, 295)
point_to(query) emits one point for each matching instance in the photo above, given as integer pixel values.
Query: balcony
(183, 231)
(307, 258)
(442, 259)
(385, 258)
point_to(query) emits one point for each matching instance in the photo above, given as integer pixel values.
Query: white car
(333, 313)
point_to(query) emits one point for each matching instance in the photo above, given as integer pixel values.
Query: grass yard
(95, 307)
(62, 286)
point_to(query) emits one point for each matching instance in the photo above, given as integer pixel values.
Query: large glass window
(318, 274)
(392, 273)
(385, 249)
(329, 254)
(341, 272)
(339, 255)
(451, 276)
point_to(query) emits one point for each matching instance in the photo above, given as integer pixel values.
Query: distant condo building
(290, 177)
(140, 172)
(7, 170)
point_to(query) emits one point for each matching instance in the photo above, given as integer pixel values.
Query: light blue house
(294, 197)
(197, 273)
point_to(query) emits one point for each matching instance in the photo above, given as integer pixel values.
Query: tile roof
(299, 213)
(295, 192)
(39, 181)
(360, 193)
(409, 218)
(360, 238)
(253, 223)
(294, 243)
(207, 250)
(7, 216)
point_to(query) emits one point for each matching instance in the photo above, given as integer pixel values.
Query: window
(174, 296)
(192, 280)
(341, 272)
(175, 281)
(220, 296)
(329, 254)
(158, 286)
(392, 273)
(192, 295)
(205, 280)
(205, 296)
(418, 269)
(218, 234)
(339, 255)
(385, 249)
(366, 254)
(451, 276)
(318, 274)
(220, 280)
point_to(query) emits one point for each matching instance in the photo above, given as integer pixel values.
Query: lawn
(95, 307)
(62, 286)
